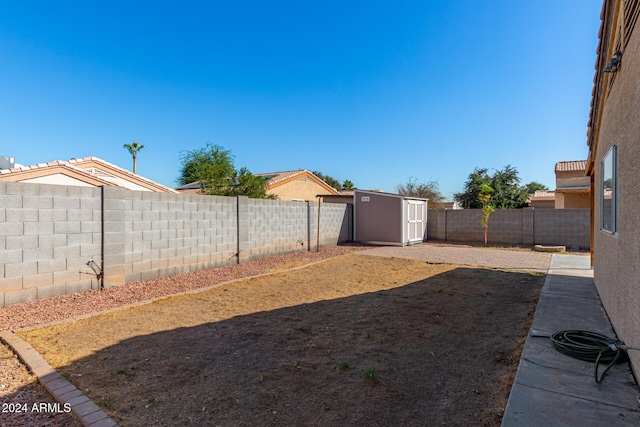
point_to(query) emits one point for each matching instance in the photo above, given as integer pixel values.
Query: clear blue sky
(375, 92)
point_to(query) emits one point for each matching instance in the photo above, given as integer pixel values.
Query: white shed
(389, 219)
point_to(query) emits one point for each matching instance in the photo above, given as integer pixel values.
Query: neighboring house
(85, 172)
(572, 188)
(572, 185)
(613, 137)
(296, 185)
(451, 205)
(290, 185)
(543, 199)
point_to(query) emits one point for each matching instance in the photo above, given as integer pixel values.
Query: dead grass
(355, 340)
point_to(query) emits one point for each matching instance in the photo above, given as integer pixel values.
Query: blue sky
(375, 92)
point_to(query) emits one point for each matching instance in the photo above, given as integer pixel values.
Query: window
(609, 192)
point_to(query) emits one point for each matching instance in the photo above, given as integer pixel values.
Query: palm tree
(133, 148)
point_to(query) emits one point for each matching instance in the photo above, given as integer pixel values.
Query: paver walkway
(497, 258)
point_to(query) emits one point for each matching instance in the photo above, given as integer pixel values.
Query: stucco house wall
(614, 121)
(301, 188)
(572, 200)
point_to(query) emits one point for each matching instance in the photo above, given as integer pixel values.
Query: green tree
(484, 197)
(133, 148)
(348, 185)
(534, 186)
(468, 198)
(425, 190)
(247, 184)
(507, 191)
(213, 168)
(329, 180)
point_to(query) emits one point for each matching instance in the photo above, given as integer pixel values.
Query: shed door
(415, 220)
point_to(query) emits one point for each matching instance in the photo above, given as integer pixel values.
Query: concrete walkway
(551, 389)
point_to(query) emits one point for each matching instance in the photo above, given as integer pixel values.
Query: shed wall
(379, 219)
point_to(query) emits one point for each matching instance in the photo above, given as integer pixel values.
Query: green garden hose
(590, 347)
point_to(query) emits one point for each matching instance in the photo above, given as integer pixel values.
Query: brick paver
(496, 258)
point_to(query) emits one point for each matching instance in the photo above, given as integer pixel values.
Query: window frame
(612, 215)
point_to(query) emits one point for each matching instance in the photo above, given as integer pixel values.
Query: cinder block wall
(150, 235)
(48, 233)
(567, 227)
(274, 228)
(528, 227)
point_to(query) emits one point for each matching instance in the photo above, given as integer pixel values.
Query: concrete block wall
(47, 234)
(567, 227)
(274, 228)
(150, 235)
(336, 223)
(528, 227)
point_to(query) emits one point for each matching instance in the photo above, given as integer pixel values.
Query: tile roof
(77, 165)
(275, 177)
(571, 166)
(539, 194)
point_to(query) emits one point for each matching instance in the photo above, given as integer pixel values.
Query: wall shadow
(438, 350)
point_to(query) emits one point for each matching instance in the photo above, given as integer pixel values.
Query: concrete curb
(62, 390)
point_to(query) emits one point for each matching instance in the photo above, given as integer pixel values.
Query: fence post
(445, 224)
(242, 223)
(308, 226)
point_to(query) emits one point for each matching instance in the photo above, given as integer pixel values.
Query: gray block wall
(527, 227)
(48, 233)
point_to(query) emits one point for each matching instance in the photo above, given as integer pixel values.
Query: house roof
(277, 179)
(88, 170)
(598, 80)
(571, 166)
(274, 179)
(543, 194)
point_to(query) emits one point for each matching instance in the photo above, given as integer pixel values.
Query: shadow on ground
(442, 350)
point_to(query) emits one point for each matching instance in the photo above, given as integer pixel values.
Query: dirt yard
(356, 340)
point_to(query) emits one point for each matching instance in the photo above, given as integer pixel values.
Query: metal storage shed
(389, 219)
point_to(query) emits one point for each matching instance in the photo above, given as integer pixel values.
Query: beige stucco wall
(617, 257)
(572, 179)
(543, 204)
(573, 200)
(302, 188)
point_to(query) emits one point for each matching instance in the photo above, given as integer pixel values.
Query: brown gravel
(17, 385)
(34, 313)
(19, 388)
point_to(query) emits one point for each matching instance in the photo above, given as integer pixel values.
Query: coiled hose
(590, 347)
